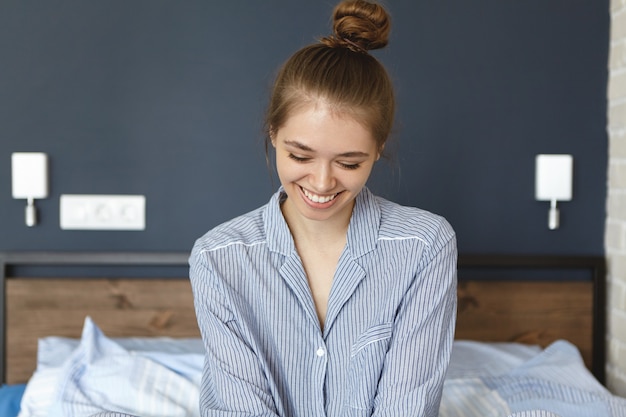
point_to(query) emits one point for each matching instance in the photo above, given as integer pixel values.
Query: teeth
(318, 198)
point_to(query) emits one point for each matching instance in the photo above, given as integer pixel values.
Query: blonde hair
(340, 72)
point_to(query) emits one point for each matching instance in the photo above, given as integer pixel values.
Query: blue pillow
(10, 398)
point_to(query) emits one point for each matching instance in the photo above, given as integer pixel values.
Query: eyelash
(350, 166)
(345, 166)
(297, 158)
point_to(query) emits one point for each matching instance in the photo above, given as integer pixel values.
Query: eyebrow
(303, 147)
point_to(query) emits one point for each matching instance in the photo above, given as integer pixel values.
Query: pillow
(464, 393)
(10, 397)
(471, 359)
(52, 352)
(101, 375)
(57, 357)
(554, 382)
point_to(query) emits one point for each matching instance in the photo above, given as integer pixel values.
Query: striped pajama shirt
(389, 328)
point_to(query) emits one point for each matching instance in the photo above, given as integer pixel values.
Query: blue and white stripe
(389, 328)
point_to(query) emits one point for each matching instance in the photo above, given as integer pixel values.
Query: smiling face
(323, 161)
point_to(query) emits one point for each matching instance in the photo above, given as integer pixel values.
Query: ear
(272, 135)
(380, 151)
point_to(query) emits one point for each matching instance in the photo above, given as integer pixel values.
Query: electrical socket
(103, 212)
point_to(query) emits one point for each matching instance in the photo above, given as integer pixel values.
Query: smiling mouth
(318, 198)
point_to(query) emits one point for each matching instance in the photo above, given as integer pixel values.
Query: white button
(320, 352)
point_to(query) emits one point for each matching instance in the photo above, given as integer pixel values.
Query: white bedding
(160, 377)
(553, 381)
(143, 376)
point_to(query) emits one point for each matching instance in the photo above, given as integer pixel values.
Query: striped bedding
(553, 382)
(160, 377)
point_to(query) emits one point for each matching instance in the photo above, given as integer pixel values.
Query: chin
(322, 214)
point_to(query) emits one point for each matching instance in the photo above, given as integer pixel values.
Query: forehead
(321, 125)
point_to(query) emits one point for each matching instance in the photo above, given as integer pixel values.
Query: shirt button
(320, 352)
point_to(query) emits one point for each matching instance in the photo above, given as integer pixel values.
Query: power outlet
(103, 212)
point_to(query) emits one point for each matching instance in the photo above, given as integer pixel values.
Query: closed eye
(298, 158)
(349, 166)
(303, 159)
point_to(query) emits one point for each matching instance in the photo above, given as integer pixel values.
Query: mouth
(316, 198)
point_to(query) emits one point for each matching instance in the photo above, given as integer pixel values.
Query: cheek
(356, 180)
(287, 169)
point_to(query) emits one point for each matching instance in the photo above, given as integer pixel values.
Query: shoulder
(405, 222)
(245, 230)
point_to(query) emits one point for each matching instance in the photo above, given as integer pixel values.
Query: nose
(322, 178)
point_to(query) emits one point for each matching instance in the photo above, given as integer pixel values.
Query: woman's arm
(233, 381)
(419, 351)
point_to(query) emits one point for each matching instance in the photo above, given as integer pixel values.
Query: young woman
(328, 300)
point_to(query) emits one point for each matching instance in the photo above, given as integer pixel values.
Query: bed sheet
(554, 381)
(145, 376)
(161, 377)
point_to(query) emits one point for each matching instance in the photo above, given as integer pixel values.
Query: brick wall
(615, 233)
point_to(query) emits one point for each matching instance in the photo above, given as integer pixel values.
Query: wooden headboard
(57, 306)
(535, 300)
(501, 299)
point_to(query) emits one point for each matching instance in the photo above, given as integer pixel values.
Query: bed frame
(528, 299)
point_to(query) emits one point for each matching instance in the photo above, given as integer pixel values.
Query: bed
(530, 336)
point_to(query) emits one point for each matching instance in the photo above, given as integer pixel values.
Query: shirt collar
(362, 231)
(279, 237)
(364, 224)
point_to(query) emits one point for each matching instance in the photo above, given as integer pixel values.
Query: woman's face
(323, 161)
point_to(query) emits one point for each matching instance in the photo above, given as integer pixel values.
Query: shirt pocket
(367, 358)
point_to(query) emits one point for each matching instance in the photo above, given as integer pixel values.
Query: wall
(166, 99)
(615, 239)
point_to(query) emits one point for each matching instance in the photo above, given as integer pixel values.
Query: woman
(328, 300)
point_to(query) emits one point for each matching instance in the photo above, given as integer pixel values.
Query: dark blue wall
(166, 99)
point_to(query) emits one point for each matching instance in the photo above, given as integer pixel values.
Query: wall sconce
(30, 180)
(553, 182)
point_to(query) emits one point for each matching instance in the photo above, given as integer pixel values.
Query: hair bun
(361, 25)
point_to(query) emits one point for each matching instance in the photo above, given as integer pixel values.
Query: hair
(340, 72)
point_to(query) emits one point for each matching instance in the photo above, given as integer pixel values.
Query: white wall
(615, 233)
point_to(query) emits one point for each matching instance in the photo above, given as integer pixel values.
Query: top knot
(360, 26)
